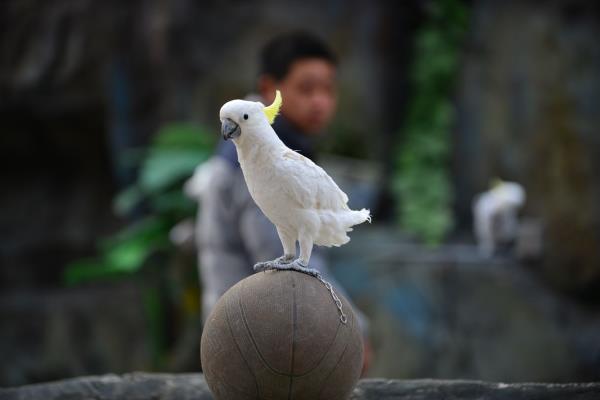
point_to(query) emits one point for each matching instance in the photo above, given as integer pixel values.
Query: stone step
(143, 386)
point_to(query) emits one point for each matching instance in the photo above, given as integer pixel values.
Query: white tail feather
(335, 224)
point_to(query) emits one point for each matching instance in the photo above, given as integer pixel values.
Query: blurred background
(107, 107)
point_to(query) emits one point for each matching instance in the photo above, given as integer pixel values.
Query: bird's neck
(256, 147)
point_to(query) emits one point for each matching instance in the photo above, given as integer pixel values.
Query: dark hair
(278, 55)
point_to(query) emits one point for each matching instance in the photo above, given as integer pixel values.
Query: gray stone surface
(136, 386)
(142, 386)
(427, 389)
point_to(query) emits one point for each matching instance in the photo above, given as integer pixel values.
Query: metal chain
(335, 297)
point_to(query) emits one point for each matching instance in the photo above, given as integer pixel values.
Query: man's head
(304, 69)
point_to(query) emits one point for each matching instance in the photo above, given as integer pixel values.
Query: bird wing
(309, 185)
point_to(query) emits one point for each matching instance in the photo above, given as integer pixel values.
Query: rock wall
(450, 313)
(51, 334)
(528, 103)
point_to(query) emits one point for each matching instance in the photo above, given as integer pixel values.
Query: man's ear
(266, 88)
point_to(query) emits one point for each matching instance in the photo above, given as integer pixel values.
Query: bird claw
(263, 266)
(284, 259)
(281, 265)
(298, 266)
(278, 263)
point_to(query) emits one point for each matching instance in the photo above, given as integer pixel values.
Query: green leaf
(124, 253)
(166, 167)
(175, 152)
(183, 135)
(127, 200)
(173, 202)
(85, 270)
(128, 250)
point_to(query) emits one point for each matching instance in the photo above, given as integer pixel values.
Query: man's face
(309, 94)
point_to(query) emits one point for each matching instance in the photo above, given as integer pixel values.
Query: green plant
(421, 183)
(143, 248)
(170, 159)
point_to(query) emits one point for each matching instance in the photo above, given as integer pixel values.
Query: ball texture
(278, 335)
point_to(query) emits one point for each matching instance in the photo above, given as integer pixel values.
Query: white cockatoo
(495, 215)
(294, 193)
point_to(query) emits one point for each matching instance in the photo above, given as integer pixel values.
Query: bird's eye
(245, 116)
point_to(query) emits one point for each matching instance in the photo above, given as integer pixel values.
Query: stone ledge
(141, 386)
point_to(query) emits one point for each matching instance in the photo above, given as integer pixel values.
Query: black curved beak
(229, 129)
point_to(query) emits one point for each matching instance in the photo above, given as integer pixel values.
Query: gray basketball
(278, 335)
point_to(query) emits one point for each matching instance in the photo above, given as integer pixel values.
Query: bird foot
(295, 265)
(274, 264)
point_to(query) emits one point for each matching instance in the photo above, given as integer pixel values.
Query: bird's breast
(265, 187)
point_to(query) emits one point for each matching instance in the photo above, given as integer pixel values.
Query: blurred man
(232, 232)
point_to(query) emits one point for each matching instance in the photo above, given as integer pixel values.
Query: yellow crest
(496, 182)
(272, 110)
